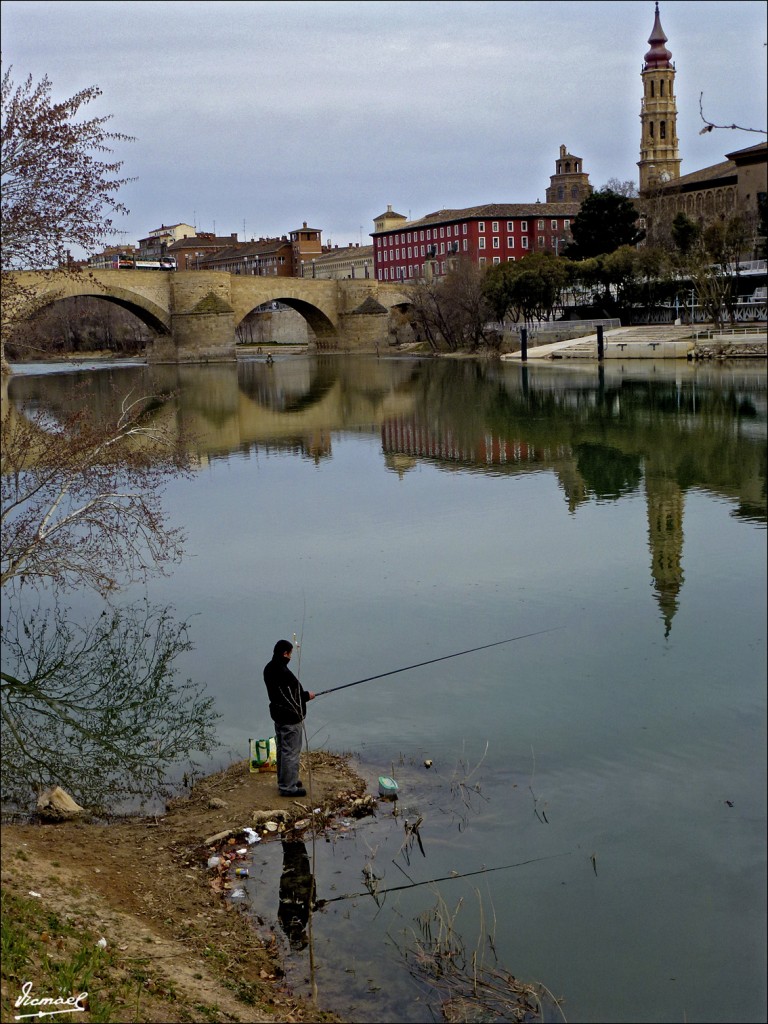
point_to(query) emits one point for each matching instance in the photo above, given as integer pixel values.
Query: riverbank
(130, 913)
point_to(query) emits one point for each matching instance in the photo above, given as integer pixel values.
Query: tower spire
(659, 160)
(658, 56)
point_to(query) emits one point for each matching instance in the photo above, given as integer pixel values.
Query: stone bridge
(194, 314)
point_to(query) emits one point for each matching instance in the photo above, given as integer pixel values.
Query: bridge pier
(202, 321)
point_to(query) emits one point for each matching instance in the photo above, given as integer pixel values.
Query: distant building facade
(496, 233)
(191, 250)
(306, 245)
(267, 257)
(341, 262)
(157, 241)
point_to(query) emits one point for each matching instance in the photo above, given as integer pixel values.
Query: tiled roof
(492, 211)
(195, 242)
(715, 172)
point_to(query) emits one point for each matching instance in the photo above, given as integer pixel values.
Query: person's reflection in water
(297, 894)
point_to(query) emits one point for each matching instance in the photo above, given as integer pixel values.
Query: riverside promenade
(656, 341)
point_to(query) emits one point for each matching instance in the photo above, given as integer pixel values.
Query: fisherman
(287, 706)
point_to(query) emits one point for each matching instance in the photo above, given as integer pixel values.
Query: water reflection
(296, 894)
(604, 433)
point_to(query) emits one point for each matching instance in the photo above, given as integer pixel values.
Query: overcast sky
(262, 115)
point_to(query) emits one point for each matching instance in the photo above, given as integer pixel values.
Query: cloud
(280, 112)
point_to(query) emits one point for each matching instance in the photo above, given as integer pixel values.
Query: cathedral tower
(659, 160)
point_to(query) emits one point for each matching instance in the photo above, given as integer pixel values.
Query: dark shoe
(299, 791)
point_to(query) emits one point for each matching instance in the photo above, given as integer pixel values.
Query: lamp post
(365, 265)
(313, 269)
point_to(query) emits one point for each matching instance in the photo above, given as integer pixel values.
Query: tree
(530, 289)
(685, 232)
(81, 501)
(604, 222)
(59, 186)
(621, 188)
(452, 311)
(95, 707)
(91, 706)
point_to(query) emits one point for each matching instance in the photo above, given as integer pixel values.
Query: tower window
(650, 129)
(662, 129)
(661, 88)
(652, 89)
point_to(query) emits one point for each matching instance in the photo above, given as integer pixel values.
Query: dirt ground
(145, 887)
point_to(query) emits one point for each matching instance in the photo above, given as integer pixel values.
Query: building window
(510, 225)
(561, 193)
(650, 129)
(566, 225)
(496, 242)
(541, 225)
(442, 232)
(481, 243)
(497, 259)
(481, 225)
(465, 245)
(510, 242)
(442, 248)
(553, 224)
(575, 192)
(662, 129)
(510, 259)
(524, 242)
(661, 88)
(652, 88)
(495, 226)
(542, 241)
(523, 225)
(464, 229)
(409, 251)
(481, 261)
(422, 248)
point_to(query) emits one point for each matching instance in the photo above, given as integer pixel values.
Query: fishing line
(432, 661)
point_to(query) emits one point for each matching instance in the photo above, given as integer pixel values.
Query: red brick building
(496, 233)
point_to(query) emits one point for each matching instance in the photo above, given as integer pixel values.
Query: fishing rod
(443, 878)
(432, 661)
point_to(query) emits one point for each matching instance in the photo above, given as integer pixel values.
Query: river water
(611, 771)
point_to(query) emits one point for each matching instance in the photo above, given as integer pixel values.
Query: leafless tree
(59, 186)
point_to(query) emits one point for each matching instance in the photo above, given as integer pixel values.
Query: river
(611, 770)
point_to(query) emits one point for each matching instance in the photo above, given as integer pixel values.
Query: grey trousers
(288, 740)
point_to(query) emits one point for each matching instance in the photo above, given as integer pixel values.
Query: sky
(257, 116)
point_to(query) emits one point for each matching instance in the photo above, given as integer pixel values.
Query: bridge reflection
(603, 434)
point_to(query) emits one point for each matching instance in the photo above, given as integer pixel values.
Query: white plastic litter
(237, 894)
(213, 862)
(251, 836)
(102, 943)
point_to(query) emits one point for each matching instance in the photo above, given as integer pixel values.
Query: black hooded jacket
(287, 698)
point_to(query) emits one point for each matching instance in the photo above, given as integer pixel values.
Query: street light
(313, 268)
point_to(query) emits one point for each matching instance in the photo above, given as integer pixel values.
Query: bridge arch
(50, 289)
(321, 324)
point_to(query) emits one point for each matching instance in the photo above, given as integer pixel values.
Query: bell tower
(659, 159)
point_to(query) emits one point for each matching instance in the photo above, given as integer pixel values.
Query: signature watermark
(48, 1006)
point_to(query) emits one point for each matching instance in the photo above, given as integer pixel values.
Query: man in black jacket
(287, 706)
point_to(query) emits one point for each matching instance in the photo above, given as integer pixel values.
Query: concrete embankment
(661, 341)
